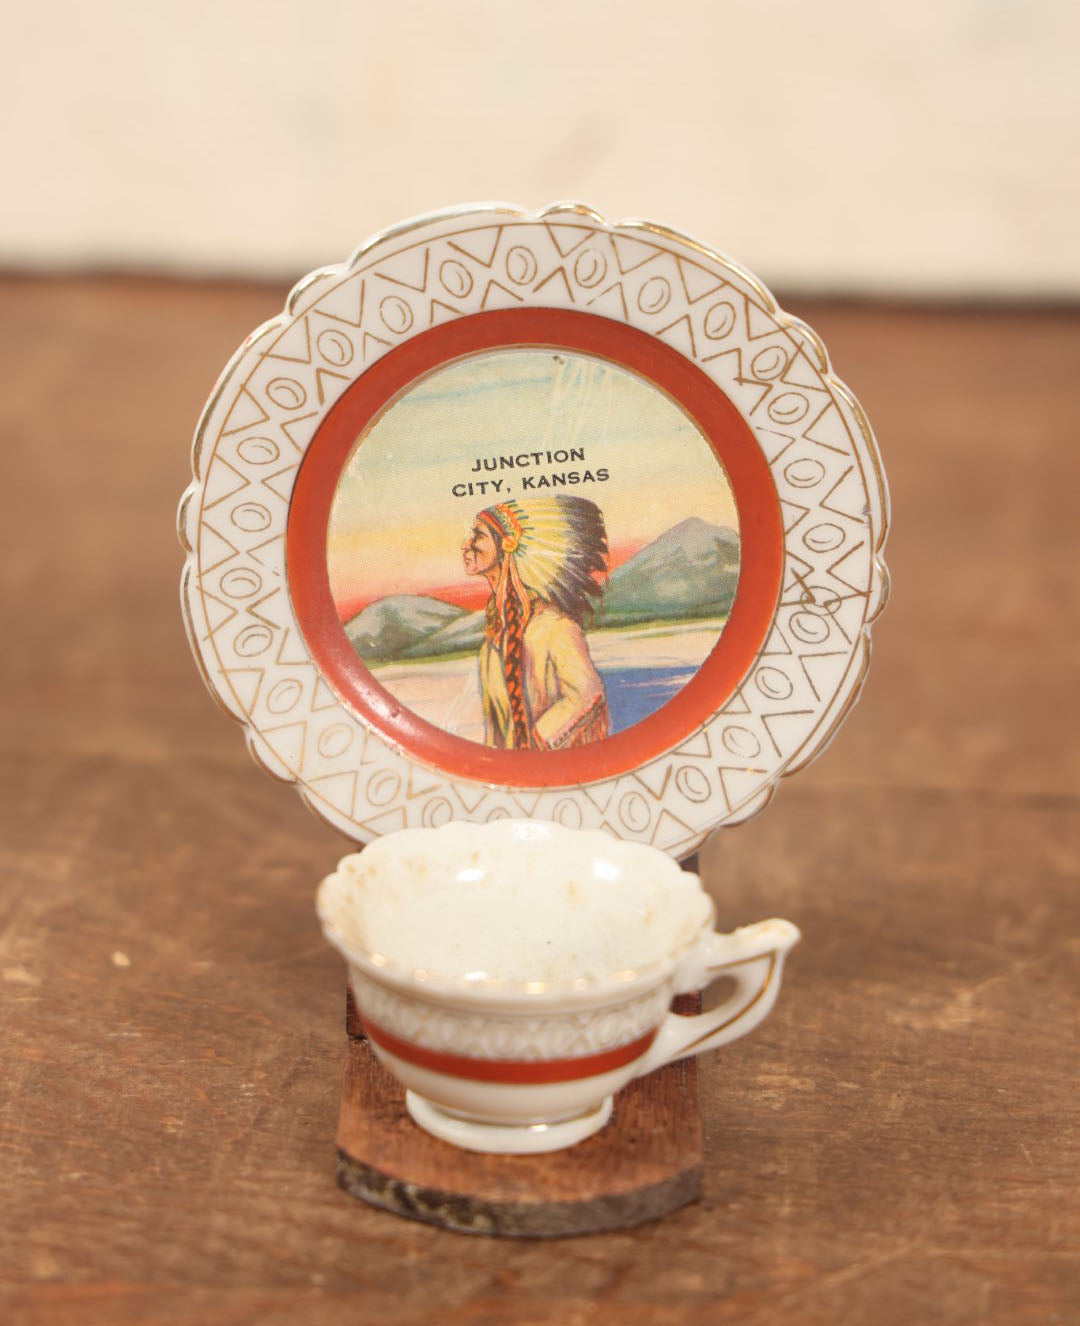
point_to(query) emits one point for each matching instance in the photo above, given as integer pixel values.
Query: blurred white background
(929, 148)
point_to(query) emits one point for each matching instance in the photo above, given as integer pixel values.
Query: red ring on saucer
(760, 530)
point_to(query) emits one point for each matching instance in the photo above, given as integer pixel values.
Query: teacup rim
(488, 990)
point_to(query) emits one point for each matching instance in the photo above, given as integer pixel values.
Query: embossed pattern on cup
(498, 1064)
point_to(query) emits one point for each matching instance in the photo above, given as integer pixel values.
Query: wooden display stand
(662, 744)
(645, 1163)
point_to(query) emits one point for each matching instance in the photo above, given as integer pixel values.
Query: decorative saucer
(533, 515)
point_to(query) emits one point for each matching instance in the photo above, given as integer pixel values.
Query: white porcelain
(516, 1040)
(378, 743)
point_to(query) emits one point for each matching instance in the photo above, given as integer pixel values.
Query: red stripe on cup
(523, 1072)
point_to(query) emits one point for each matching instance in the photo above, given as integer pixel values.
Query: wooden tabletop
(898, 1143)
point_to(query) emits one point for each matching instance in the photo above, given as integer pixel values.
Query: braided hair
(513, 649)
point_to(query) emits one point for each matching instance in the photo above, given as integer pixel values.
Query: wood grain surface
(897, 1144)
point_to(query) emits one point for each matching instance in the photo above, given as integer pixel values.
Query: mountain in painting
(690, 571)
(463, 633)
(390, 627)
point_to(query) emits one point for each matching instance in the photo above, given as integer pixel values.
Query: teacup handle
(754, 958)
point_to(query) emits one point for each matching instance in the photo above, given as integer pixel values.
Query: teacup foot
(506, 1139)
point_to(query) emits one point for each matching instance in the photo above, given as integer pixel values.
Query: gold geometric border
(280, 384)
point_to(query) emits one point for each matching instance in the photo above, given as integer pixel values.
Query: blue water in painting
(634, 693)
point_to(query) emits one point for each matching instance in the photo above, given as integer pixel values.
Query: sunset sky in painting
(396, 526)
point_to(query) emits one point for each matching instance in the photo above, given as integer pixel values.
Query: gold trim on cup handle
(753, 957)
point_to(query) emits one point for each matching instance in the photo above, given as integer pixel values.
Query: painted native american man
(540, 688)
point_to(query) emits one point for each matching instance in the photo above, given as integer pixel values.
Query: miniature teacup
(514, 975)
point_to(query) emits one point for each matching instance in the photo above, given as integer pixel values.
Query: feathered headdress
(553, 548)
